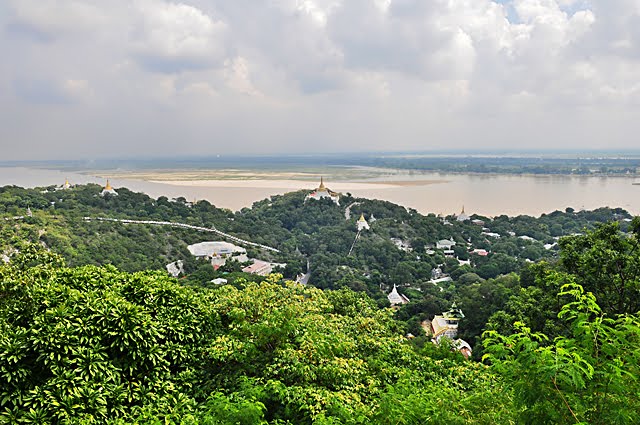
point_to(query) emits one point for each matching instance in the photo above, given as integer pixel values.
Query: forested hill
(399, 249)
(555, 319)
(317, 231)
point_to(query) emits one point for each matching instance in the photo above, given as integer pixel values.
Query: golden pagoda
(108, 189)
(324, 192)
(66, 184)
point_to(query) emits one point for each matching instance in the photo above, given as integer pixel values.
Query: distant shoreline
(337, 174)
(297, 184)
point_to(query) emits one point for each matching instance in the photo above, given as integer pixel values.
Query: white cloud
(77, 89)
(51, 18)
(170, 36)
(352, 74)
(238, 76)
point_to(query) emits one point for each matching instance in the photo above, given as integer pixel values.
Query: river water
(488, 195)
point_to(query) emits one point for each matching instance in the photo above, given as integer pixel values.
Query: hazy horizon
(338, 156)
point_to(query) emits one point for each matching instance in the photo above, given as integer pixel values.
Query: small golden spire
(321, 187)
(362, 217)
(462, 210)
(108, 186)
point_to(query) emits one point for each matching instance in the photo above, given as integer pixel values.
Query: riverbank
(488, 195)
(297, 184)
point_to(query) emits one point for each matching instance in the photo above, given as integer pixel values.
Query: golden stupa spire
(362, 217)
(321, 187)
(462, 210)
(108, 186)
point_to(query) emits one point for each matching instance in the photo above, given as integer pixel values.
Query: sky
(83, 79)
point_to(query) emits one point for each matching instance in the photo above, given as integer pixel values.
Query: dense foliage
(553, 307)
(93, 345)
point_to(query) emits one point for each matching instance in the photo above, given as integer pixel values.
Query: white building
(362, 224)
(175, 268)
(323, 192)
(218, 252)
(440, 280)
(445, 244)
(462, 216)
(446, 324)
(462, 346)
(219, 281)
(208, 249)
(396, 298)
(436, 273)
(526, 238)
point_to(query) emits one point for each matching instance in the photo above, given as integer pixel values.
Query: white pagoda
(463, 216)
(362, 224)
(396, 298)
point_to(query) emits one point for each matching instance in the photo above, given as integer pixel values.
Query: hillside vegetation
(90, 333)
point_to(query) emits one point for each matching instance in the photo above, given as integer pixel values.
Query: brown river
(488, 195)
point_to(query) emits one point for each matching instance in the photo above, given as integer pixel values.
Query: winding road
(185, 226)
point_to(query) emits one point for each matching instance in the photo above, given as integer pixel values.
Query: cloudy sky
(91, 79)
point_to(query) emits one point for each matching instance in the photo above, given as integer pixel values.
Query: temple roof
(453, 313)
(395, 298)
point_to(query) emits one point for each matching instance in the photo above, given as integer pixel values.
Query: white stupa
(463, 216)
(395, 298)
(362, 223)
